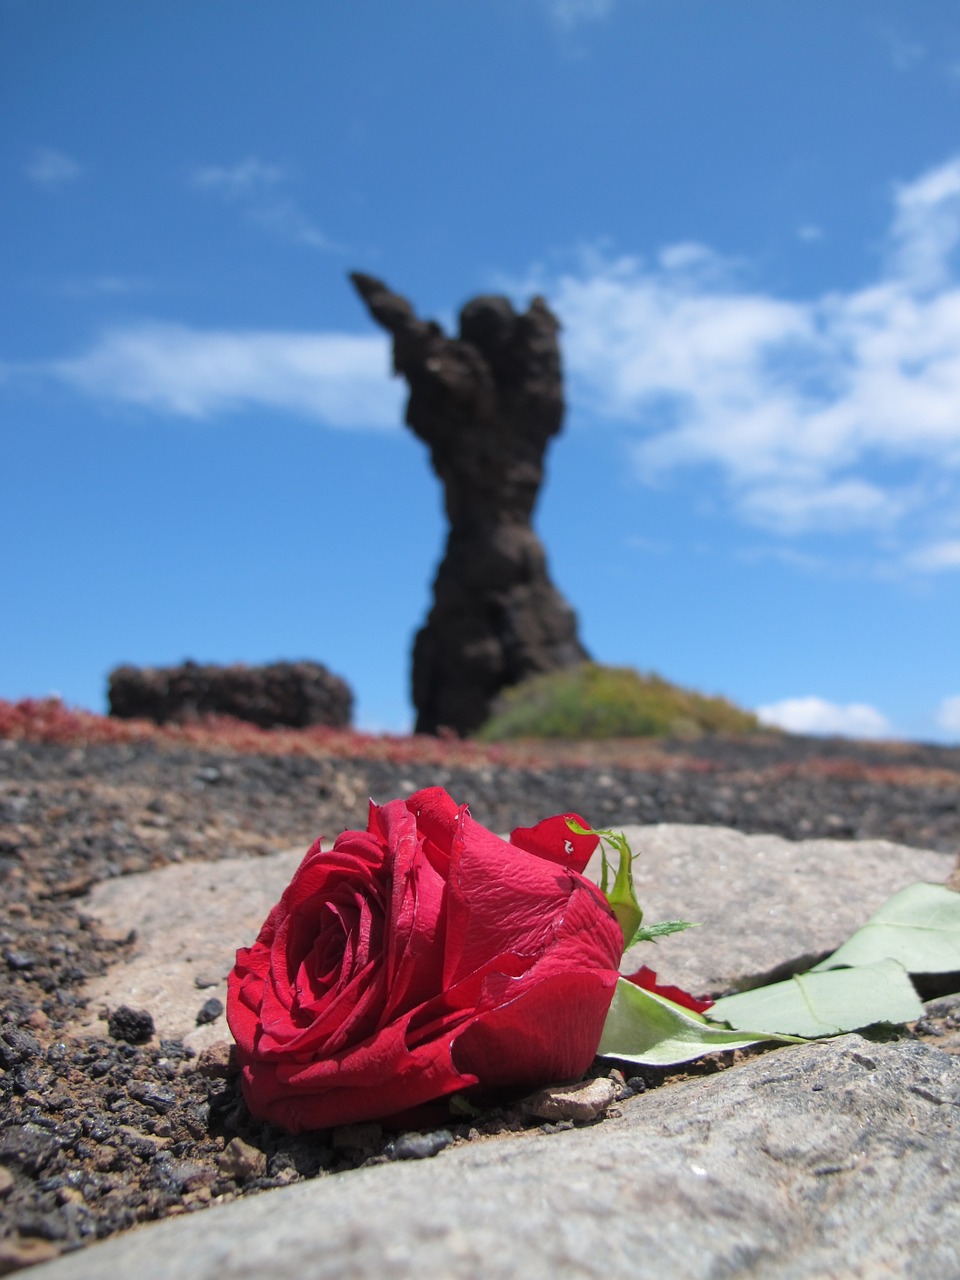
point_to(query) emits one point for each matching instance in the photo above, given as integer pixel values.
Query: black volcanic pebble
(153, 1095)
(210, 1011)
(420, 1146)
(16, 1046)
(28, 1145)
(133, 1025)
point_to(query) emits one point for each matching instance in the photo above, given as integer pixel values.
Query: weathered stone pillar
(486, 404)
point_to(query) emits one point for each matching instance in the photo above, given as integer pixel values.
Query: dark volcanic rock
(486, 404)
(210, 1011)
(135, 1026)
(296, 694)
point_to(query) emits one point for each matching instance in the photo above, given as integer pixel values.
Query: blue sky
(746, 216)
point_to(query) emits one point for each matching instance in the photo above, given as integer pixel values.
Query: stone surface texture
(760, 900)
(832, 1159)
(189, 920)
(293, 694)
(486, 404)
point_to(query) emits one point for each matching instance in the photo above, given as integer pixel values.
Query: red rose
(418, 958)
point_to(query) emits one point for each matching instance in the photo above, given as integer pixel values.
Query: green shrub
(592, 701)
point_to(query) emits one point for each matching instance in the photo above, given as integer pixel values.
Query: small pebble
(135, 1026)
(156, 1096)
(240, 1161)
(419, 1146)
(218, 1061)
(210, 1011)
(29, 1146)
(583, 1102)
(16, 1046)
(560, 1127)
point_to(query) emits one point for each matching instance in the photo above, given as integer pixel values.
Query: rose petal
(552, 839)
(550, 1031)
(374, 1080)
(647, 978)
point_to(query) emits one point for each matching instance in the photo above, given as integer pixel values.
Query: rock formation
(295, 694)
(486, 404)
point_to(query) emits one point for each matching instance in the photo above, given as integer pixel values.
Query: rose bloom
(422, 957)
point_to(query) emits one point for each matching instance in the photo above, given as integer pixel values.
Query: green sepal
(622, 897)
(651, 932)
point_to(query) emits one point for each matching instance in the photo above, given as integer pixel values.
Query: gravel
(98, 1135)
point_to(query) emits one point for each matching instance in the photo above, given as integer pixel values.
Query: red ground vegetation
(50, 720)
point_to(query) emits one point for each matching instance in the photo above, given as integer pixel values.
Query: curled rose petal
(554, 840)
(419, 958)
(647, 978)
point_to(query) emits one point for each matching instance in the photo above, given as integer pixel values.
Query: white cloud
(937, 557)
(904, 52)
(238, 179)
(793, 508)
(287, 220)
(52, 169)
(339, 379)
(817, 715)
(926, 228)
(258, 188)
(810, 232)
(835, 412)
(785, 555)
(103, 286)
(688, 253)
(653, 546)
(568, 14)
(948, 715)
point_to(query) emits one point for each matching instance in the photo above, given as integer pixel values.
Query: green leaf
(825, 1004)
(651, 932)
(646, 1028)
(919, 926)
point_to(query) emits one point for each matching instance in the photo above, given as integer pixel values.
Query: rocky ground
(98, 1135)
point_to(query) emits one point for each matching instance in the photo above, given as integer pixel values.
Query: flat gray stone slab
(190, 918)
(760, 901)
(833, 1159)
